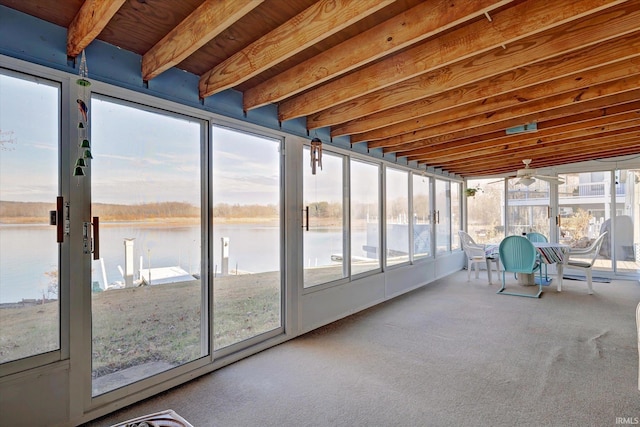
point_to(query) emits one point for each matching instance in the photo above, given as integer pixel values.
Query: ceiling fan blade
(502, 179)
(551, 179)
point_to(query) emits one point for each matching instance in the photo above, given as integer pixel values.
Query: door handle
(59, 219)
(96, 237)
(306, 211)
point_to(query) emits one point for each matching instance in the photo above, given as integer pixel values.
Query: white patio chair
(476, 256)
(583, 259)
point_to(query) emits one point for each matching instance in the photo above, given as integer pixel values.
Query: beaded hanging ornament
(84, 146)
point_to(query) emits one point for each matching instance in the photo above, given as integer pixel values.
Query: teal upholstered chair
(518, 255)
(539, 237)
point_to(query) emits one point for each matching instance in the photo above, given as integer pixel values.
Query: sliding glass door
(325, 248)
(148, 291)
(29, 180)
(627, 227)
(247, 237)
(594, 202)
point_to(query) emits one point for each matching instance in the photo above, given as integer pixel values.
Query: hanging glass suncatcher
(316, 154)
(84, 146)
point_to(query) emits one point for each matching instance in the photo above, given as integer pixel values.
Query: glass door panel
(443, 216)
(365, 216)
(147, 292)
(422, 229)
(584, 203)
(247, 284)
(324, 235)
(528, 208)
(397, 216)
(456, 215)
(626, 236)
(29, 254)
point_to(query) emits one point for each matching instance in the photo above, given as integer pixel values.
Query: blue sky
(140, 156)
(29, 165)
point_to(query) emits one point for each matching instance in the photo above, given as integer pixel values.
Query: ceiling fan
(528, 175)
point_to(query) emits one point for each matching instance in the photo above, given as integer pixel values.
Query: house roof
(471, 87)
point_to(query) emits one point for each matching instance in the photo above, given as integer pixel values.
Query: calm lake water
(28, 252)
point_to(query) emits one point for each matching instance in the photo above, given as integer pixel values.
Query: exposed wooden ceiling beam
(579, 145)
(600, 108)
(90, 20)
(567, 125)
(206, 22)
(412, 26)
(322, 19)
(484, 169)
(553, 42)
(493, 147)
(579, 68)
(522, 20)
(535, 148)
(480, 125)
(531, 108)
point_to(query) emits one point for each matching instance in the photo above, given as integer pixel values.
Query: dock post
(128, 262)
(224, 260)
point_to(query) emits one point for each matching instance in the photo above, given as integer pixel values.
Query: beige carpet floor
(452, 353)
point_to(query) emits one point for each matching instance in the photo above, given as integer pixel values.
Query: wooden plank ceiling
(436, 81)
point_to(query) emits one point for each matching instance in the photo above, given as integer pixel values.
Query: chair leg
(488, 262)
(468, 270)
(589, 281)
(477, 267)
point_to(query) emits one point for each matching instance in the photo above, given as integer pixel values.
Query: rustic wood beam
(535, 94)
(321, 20)
(575, 145)
(491, 148)
(90, 20)
(543, 159)
(620, 92)
(550, 159)
(522, 20)
(600, 108)
(526, 109)
(405, 29)
(582, 67)
(544, 131)
(626, 148)
(556, 41)
(201, 26)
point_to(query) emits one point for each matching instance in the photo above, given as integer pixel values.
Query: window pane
(528, 208)
(627, 229)
(456, 215)
(324, 239)
(365, 231)
(29, 285)
(397, 216)
(443, 216)
(485, 210)
(147, 293)
(246, 236)
(421, 216)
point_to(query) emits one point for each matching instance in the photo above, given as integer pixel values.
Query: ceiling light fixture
(526, 181)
